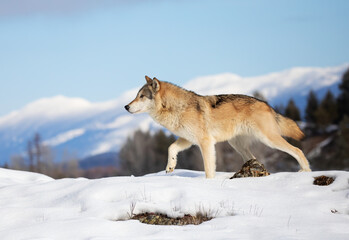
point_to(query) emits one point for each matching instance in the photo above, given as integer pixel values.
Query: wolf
(206, 120)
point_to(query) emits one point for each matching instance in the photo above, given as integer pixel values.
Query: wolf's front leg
(179, 145)
(208, 153)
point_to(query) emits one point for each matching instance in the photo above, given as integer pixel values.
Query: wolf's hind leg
(242, 145)
(179, 145)
(278, 142)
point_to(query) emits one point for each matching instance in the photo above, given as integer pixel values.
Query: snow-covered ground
(280, 206)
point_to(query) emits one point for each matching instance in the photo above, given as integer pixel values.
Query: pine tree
(327, 112)
(343, 142)
(292, 111)
(330, 105)
(311, 108)
(343, 98)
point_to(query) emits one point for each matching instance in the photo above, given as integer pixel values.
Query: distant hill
(89, 129)
(104, 159)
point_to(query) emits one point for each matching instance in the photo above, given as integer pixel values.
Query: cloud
(10, 8)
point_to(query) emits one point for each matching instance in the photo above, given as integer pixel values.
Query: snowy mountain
(86, 128)
(277, 87)
(280, 206)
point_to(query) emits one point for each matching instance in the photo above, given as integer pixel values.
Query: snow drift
(280, 206)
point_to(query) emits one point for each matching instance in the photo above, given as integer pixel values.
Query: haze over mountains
(85, 128)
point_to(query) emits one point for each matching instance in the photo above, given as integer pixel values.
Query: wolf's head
(145, 99)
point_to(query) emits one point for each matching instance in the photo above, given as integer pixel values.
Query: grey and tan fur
(206, 120)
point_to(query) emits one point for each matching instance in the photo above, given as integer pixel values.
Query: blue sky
(98, 49)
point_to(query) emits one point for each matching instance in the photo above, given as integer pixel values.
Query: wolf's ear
(155, 84)
(149, 80)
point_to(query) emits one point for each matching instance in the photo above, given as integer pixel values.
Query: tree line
(324, 112)
(146, 152)
(40, 158)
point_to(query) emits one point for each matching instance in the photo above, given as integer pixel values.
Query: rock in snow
(251, 168)
(278, 206)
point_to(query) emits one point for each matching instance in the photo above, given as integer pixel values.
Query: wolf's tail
(288, 127)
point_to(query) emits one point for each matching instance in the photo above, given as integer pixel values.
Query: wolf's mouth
(128, 108)
(134, 111)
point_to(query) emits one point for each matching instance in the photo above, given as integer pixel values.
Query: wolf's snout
(127, 107)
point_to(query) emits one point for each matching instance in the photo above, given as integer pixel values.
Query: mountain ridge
(88, 128)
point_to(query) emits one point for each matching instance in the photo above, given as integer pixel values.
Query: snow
(117, 123)
(64, 137)
(280, 206)
(271, 85)
(54, 109)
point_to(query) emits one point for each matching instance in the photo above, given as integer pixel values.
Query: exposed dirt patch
(252, 168)
(323, 180)
(160, 219)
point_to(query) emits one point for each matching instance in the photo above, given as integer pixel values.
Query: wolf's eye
(141, 96)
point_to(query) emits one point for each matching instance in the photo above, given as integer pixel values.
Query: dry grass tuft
(323, 180)
(160, 219)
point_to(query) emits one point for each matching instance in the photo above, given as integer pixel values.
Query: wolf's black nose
(127, 107)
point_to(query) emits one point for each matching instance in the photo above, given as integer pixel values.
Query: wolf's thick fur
(206, 120)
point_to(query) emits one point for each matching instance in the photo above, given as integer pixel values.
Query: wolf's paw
(171, 164)
(169, 169)
(305, 170)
